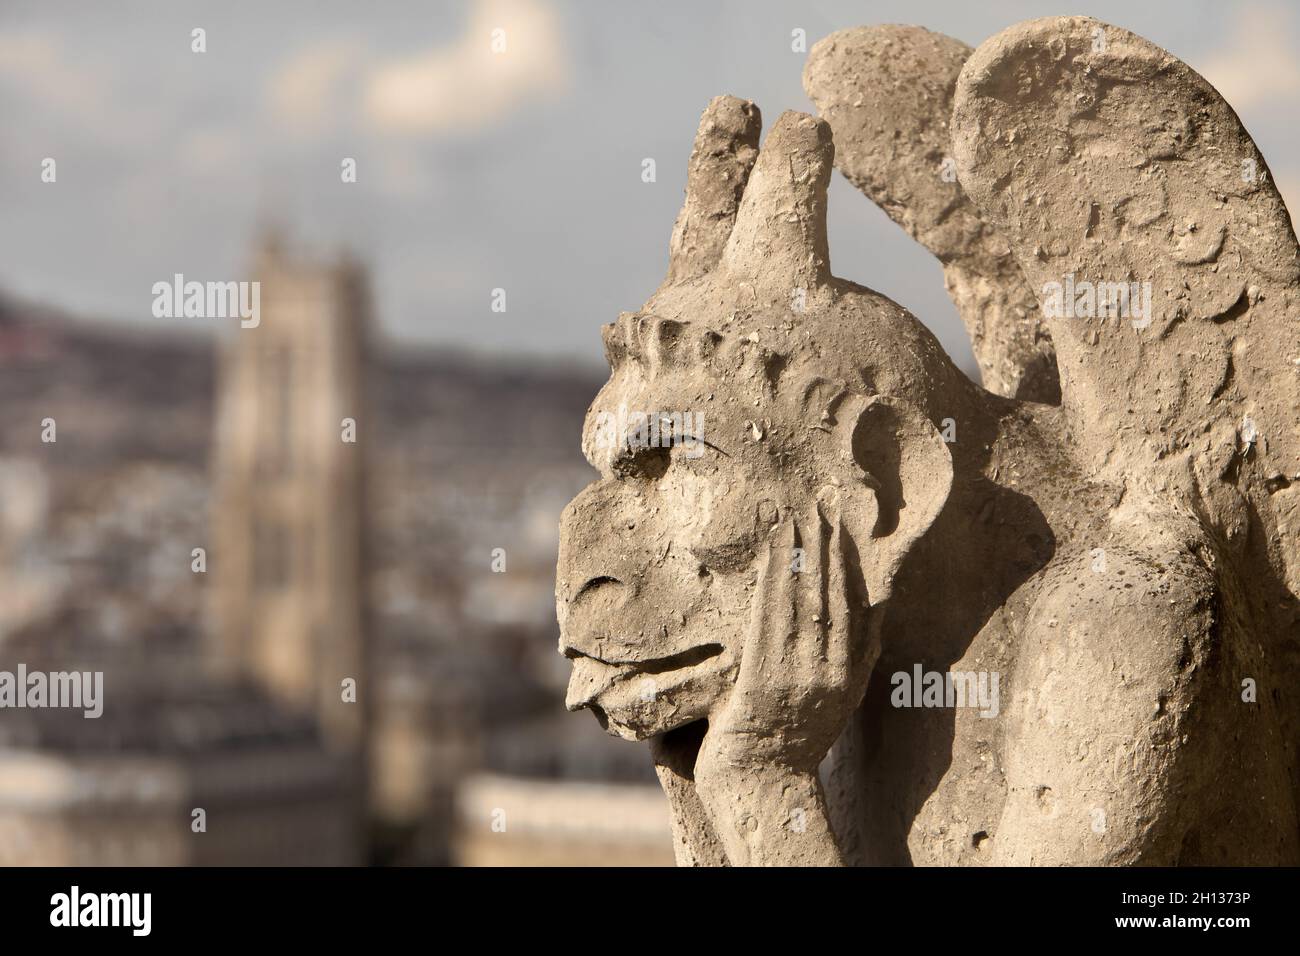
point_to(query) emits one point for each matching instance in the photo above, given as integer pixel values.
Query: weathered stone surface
(802, 502)
(887, 93)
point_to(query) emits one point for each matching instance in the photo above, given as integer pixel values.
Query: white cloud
(35, 58)
(1257, 63)
(308, 92)
(466, 86)
(212, 150)
(67, 86)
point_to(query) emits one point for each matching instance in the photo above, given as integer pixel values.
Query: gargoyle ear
(905, 474)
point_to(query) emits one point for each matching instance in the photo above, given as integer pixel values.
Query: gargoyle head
(752, 387)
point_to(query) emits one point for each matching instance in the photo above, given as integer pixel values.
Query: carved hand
(802, 673)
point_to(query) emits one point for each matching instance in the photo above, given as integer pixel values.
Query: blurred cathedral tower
(287, 561)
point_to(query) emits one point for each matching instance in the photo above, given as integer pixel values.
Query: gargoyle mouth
(593, 677)
(657, 665)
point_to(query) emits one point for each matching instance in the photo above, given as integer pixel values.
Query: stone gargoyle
(803, 505)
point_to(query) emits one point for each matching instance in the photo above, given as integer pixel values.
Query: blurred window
(271, 555)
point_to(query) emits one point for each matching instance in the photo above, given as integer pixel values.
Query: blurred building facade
(239, 749)
(179, 770)
(325, 560)
(288, 571)
(288, 611)
(533, 821)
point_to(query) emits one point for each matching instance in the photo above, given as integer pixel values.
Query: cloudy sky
(475, 171)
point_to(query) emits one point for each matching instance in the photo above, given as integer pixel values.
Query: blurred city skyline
(475, 171)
